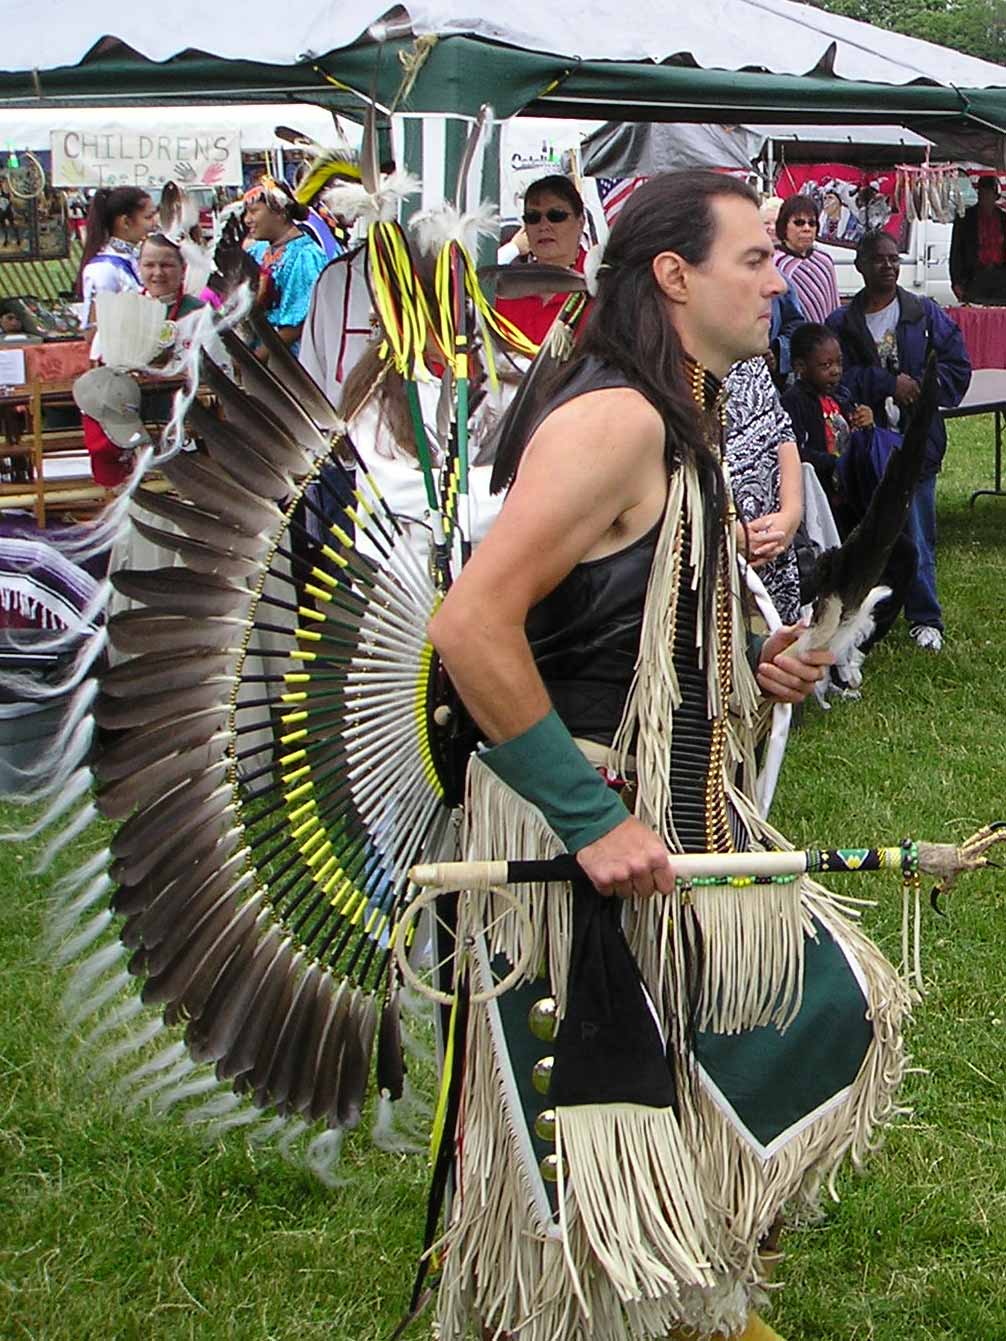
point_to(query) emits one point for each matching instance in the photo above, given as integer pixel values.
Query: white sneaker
(926, 637)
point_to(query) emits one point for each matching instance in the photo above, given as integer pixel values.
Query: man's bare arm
(594, 461)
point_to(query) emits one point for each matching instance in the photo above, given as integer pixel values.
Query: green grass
(113, 1226)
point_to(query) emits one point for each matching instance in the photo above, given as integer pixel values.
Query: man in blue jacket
(886, 335)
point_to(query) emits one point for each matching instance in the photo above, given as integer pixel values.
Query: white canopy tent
(733, 61)
(778, 36)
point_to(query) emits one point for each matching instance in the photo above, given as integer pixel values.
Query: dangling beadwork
(711, 397)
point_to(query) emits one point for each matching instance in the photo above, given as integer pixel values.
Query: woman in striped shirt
(811, 270)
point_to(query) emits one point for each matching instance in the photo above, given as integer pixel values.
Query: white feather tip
(354, 202)
(434, 229)
(592, 268)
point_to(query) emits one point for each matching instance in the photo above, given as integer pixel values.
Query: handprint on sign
(213, 174)
(185, 172)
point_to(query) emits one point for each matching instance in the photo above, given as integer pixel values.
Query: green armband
(545, 767)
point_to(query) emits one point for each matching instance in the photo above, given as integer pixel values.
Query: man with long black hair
(635, 1119)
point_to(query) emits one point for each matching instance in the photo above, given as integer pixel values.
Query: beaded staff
(741, 869)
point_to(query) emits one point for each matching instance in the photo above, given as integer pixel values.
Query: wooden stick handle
(726, 866)
(478, 875)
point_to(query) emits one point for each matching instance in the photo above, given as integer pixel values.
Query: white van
(925, 263)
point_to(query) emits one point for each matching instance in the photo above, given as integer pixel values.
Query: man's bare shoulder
(619, 419)
(622, 405)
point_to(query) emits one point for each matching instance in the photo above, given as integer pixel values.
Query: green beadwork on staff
(738, 881)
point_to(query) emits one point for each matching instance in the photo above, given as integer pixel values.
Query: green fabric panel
(674, 92)
(523, 1051)
(458, 75)
(461, 73)
(117, 77)
(412, 146)
(772, 1080)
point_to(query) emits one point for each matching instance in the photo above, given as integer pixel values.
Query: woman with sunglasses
(811, 270)
(552, 235)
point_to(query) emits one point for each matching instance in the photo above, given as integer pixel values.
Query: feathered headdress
(276, 195)
(327, 166)
(363, 193)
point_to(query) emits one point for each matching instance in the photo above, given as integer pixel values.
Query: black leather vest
(585, 639)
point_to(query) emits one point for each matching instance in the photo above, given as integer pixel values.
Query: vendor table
(984, 332)
(985, 395)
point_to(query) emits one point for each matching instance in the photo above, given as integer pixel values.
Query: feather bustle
(324, 1101)
(260, 381)
(237, 456)
(223, 929)
(390, 1060)
(200, 525)
(260, 1010)
(217, 841)
(215, 490)
(141, 829)
(148, 744)
(162, 914)
(189, 936)
(140, 632)
(361, 1028)
(294, 981)
(118, 714)
(197, 554)
(176, 591)
(143, 674)
(253, 421)
(289, 1058)
(305, 1083)
(127, 870)
(115, 801)
(295, 377)
(211, 1035)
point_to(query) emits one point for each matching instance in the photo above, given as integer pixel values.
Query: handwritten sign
(130, 158)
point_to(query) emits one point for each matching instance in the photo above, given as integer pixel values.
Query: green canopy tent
(442, 61)
(455, 74)
(458, 73)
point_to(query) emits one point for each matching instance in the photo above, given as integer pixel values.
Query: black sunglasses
(553, 216)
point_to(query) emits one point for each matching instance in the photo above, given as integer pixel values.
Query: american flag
(613, 192)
